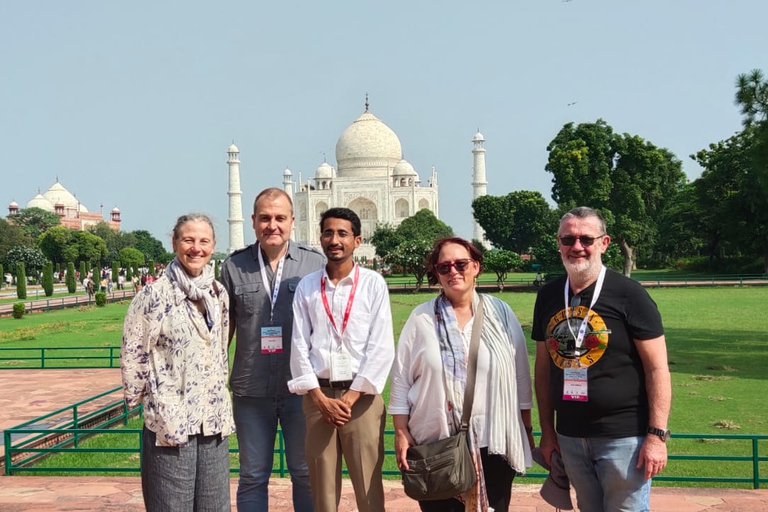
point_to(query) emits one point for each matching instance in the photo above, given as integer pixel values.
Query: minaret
(235, 219)
(288, 182)
(479, 185)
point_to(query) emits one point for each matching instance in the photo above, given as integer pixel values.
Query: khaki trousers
(361, 442)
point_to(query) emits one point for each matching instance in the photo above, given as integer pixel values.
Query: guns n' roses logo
(561, 343)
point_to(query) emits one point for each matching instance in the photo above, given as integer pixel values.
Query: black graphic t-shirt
(617, 403)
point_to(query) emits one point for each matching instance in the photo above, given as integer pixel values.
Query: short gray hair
(192, 217)
(584, 212)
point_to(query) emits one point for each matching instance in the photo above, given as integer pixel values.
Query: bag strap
(474, 345)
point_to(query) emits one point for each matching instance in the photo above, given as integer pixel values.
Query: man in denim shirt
(261, 280)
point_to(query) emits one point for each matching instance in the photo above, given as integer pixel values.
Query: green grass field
(715, 336)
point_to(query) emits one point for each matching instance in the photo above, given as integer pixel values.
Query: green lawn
(715, 336)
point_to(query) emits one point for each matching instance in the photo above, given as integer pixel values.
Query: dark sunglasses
(444, 268)
(586, 241)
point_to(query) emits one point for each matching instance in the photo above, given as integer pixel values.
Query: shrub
(151, 266)
(101, 299)
(71, 280)
(115, 271)
(18, 310)
(21, 281)
(83, 272)
(2, 276)
(216, 270)
(48, 279)
(128, 274)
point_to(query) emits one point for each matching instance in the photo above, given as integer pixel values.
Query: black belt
(335, 384)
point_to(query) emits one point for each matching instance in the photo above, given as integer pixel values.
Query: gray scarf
(195, 288)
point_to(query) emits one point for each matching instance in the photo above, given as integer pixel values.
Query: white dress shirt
(368, 337)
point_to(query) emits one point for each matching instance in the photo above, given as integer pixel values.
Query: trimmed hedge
(18, 310)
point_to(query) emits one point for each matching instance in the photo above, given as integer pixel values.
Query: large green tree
(36, 221)
(151, 247)
(60, 244)
(409, 244)
(752, 98)
(130, 257)
(501, 262)
(423, 225)
(12, 235)
(385, 240)
(32, 258)
(733, 207)
(682, 225)
(115, 240)
(629, 179)
(91, 247)
(515, 222)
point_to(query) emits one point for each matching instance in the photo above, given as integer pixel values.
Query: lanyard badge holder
(575, 382)
(271, 334)
(341, 362)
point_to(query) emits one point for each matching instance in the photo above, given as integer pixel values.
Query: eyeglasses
(444, 268)
(586, 241)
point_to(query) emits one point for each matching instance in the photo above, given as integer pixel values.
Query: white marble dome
(367, 148)
(403, 168)
(58, 194)
(287, 172)
(40, 202)
(232, 148)
(478, 137)
(324, 172)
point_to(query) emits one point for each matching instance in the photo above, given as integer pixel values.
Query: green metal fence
(62, 431)
(36, 358)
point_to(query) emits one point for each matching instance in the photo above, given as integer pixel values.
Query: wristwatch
(664, 434)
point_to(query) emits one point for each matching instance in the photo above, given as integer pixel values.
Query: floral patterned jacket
(173, 364)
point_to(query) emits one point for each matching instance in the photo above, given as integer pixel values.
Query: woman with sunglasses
(429, 378)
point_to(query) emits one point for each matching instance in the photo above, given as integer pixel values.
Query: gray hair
(192, 217)
(584, 212)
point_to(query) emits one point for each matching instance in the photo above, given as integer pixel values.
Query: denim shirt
(255, 374)
(175, 365)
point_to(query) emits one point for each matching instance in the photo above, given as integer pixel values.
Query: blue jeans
(190, 478)
(256, 420)
(604, 473)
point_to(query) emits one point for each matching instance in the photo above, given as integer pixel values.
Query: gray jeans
(191, 478)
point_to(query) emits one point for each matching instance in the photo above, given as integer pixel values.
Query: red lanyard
(349, 302)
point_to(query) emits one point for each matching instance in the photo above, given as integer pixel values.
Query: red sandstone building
(72, 213)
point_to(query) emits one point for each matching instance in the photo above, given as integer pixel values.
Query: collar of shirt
(288, 254)
(349, 278)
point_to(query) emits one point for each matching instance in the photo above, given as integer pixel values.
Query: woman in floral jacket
(174, 362)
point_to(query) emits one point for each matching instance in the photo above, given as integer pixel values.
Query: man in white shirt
(342, 351)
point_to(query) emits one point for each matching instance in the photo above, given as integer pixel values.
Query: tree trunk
(765, 259)
(629, 256)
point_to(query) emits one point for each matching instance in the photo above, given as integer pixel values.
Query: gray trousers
(191, 478)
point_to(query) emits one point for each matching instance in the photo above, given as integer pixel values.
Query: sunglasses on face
(586, 241)
(444, 267)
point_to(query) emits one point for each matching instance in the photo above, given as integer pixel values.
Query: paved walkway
(27, 394)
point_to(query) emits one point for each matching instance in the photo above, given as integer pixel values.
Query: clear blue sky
(134, 104)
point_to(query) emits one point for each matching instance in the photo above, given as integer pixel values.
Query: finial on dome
(57, 178)
(366, 102)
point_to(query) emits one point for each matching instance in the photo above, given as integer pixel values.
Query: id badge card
(575, 384)
(341, 366)
(272, 339)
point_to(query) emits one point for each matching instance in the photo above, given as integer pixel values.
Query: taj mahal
(371, 178)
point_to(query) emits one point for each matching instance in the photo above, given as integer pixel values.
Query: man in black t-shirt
(602, 378)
